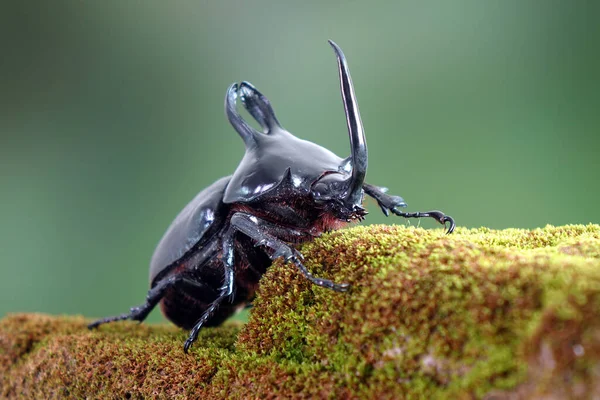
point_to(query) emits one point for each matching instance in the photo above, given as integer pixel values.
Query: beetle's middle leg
(258, 230)
(389, 203)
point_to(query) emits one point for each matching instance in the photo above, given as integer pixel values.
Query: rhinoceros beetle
(284, 192)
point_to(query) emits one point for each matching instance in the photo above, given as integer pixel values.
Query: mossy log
(477, 314)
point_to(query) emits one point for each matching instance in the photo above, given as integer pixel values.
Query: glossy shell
(189, 227)
(266, 161)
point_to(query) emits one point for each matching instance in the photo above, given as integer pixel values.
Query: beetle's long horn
(235, 119)
(358, 142)
(258, 106)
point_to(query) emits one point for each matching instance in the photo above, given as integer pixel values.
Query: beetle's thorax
(267, 161)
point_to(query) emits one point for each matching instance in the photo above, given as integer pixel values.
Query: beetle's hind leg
(225, 290)
(389, 203)
(154, 296)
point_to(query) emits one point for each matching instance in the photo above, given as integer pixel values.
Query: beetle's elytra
(284, 192)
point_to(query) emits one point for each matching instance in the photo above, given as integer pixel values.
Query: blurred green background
(111, 120)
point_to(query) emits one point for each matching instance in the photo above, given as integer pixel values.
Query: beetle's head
(330, 192)
(342, 190)
(335, 184)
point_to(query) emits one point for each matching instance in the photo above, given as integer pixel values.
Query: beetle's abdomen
(184, 304)
(184, 310)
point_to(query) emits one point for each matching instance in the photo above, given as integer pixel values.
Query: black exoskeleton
(284, 192)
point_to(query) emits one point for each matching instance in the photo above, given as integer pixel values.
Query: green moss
(480, 313)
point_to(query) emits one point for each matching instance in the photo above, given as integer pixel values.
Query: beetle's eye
(330, 185)
(319, 190)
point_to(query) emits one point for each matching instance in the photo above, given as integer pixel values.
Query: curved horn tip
(259, 106)
(248, 85)
(246, 89)
(337, 49)
(230, 97)
(247, 132)
(232, 88)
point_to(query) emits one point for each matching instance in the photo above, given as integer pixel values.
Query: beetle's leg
(389, 203)
(224, 291)
(257, 229)
(437, 215)
(154, 296)
(385, 201)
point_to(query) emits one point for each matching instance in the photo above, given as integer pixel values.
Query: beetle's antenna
(235, 119)
(358, 143)
(258, 106)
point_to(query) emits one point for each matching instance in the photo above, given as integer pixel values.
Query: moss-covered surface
(477, 314)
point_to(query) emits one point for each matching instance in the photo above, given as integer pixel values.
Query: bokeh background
(111, 120)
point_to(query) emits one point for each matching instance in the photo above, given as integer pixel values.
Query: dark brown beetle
(284, 192)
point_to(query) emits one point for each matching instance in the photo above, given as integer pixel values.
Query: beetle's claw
(452, 224)
(187, 345)
(442, 219)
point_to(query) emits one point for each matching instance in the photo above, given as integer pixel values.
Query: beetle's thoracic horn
(358, 142)
(235, 119)
(258, 106)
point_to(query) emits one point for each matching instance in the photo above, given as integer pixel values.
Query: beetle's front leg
(389, 203)
(260, 231)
